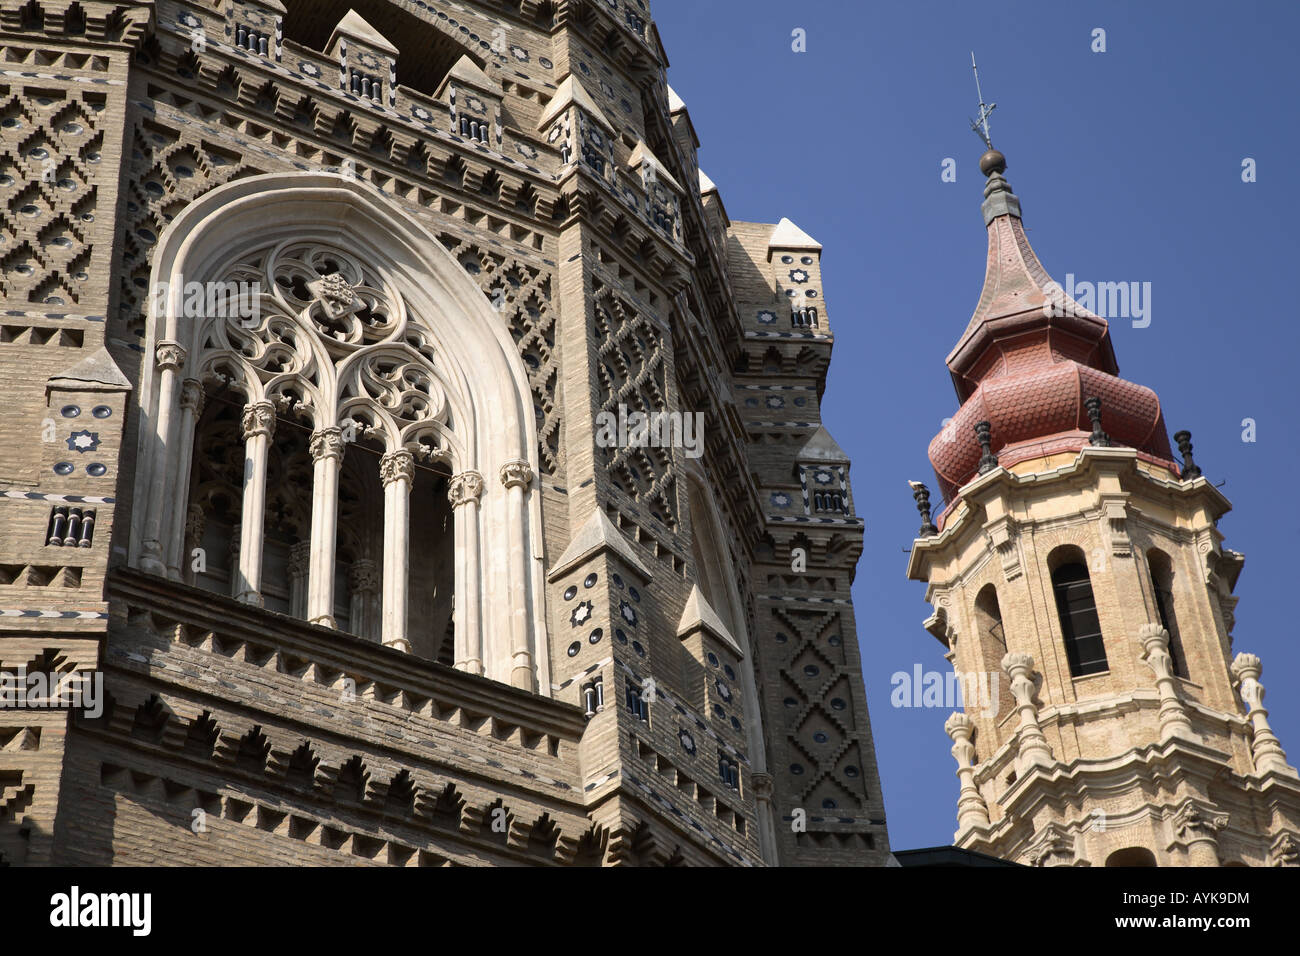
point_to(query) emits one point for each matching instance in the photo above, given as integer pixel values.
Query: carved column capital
(327, 443)
(1051, 847)
(397, 466)
(299, 558)
(193, 396)
(763, 785)
(464, 488)
(1285, 851)
(517, 472)
(258, 419)
(1193, 822)
(196, 520)
(363, 576)
(169, 355)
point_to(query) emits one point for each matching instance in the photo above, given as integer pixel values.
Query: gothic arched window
(1076, 608)
(339, 427)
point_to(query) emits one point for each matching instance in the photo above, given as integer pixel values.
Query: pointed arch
(716, 576)
(416, 346)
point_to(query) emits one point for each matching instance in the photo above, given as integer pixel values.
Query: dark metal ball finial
(993, 162)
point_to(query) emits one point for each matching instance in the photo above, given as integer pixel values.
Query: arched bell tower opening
(1132, 856)
(337, 427)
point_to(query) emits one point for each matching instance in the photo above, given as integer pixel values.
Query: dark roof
(948, 856)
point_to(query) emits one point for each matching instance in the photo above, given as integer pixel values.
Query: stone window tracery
(326, 357)
(337, 422)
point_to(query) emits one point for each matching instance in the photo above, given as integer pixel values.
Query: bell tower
(1075, 566)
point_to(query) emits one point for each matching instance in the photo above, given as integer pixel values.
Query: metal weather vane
(981, 126)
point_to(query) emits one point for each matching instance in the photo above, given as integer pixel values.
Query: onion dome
(1029, 360)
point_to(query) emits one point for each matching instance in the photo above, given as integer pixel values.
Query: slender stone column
(1265, 748)
(1034, 749)
(397, 471)
(327, 457)
(971, 808)
(517, 476)
(464, 491)
(363, 580)
(764, 786)
(170, 357)
(1174, 721)
(259, 426)
(192, 401)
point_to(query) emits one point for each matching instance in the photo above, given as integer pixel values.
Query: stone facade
(326, 329)
(1082, 567)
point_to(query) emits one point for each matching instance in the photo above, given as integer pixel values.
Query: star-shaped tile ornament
(83, 441)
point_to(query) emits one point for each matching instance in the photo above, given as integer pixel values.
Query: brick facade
(535, 150)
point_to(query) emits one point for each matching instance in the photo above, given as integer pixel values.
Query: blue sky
(1128, 167)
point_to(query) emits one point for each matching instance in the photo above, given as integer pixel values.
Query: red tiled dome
(1027, 362)
(1041, 411)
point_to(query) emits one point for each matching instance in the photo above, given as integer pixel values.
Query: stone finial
(971, 808)
(1098, 437)
(999, 200)
(1184, 442)
(1265, 748)
(1034, 749)
(922, 495)
(1174, 721)
(1246, 668)
(984, 435)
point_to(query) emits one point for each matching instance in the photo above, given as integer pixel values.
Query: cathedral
(408, 462)
(1078, 563)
